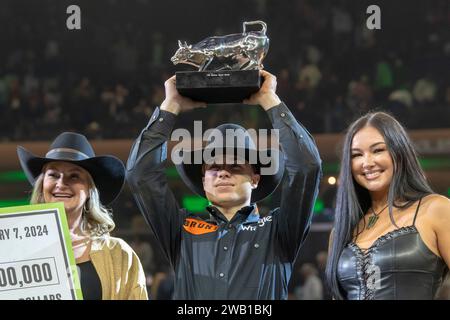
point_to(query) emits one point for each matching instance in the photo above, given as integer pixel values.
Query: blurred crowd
(105, 79)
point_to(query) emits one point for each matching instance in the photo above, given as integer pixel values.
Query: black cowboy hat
(108, 172)
(191, 172)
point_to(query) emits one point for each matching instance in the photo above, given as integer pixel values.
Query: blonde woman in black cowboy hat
(230, 252)
(71, 173)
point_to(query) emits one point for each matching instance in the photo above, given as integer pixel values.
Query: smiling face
(229, 184)
(372, 165)
(67, 183)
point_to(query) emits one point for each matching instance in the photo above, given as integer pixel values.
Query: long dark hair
(352, 200)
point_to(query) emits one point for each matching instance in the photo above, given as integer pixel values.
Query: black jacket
(249, 257)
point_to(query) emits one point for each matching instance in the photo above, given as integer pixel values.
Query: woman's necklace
(374, 217)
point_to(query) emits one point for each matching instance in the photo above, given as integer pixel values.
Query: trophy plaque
(228, 66)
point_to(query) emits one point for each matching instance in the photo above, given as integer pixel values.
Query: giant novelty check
(36, 257)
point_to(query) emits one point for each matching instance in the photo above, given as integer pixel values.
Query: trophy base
(218, 86)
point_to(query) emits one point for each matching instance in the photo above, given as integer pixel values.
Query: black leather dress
(398, 266)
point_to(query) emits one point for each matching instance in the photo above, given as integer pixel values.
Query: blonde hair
(96, 219)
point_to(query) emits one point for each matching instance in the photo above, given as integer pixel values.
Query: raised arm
(145, 172)
(300, 185)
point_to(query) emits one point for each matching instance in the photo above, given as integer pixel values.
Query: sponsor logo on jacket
(261, 223)
(197, 227)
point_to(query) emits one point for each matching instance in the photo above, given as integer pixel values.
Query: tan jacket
(119, 269)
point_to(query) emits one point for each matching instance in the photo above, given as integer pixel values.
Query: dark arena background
(105, 79)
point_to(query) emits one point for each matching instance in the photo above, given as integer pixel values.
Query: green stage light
(194, 203)
(14, 202)
(12, 176)
(330, 167)
(172, 173)
(319, 206)
(434, 163)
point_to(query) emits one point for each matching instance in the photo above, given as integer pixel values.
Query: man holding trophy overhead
(229, 252)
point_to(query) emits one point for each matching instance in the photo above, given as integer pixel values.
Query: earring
(86, 206)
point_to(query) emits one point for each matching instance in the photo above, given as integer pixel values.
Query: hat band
(79, 154)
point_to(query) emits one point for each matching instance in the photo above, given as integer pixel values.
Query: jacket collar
(246, 214)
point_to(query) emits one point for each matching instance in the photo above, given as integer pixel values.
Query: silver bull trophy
(228, 66)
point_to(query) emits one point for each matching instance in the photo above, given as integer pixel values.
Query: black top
(249, 257)
(398, 266)
(90, 282)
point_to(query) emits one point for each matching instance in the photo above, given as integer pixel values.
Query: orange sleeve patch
(198, 227)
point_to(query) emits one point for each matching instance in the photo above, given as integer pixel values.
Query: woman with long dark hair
(391, 236)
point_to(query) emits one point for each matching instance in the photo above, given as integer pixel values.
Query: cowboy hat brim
(108, 172)
(191, 173)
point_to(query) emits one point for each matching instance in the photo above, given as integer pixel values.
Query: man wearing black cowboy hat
(230, 252)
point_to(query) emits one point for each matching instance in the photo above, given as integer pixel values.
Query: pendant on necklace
(372, 220)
